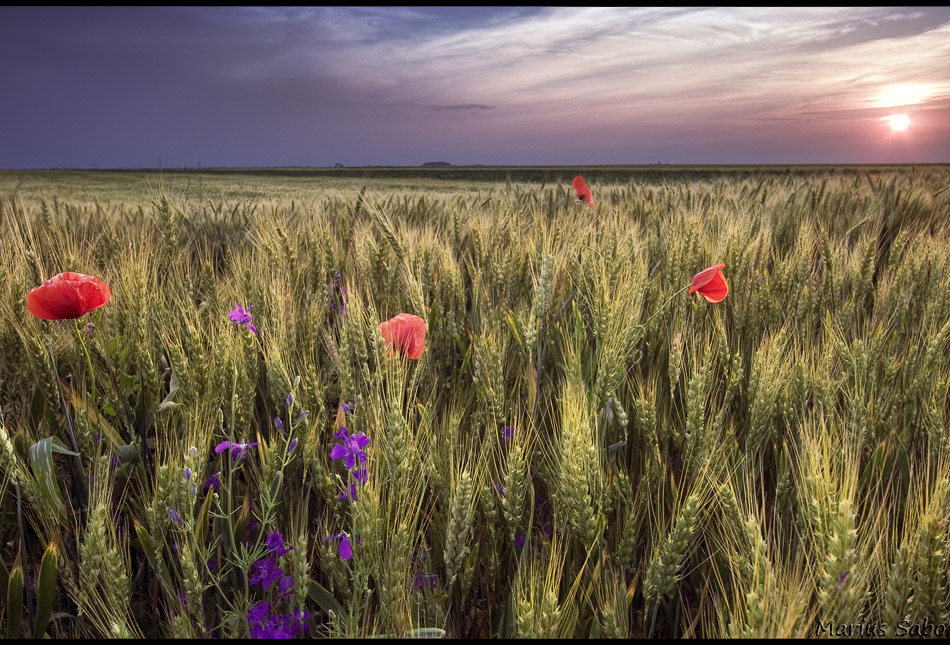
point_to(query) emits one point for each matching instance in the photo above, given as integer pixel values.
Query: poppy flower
(583, 192)
(406, 333)
(67, 295)
(710, 283)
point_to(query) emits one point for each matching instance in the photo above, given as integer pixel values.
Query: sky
(149, 87)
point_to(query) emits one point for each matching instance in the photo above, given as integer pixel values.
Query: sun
(898, 122)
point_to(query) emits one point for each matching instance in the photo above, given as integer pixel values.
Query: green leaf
(15, 602)
(46, 590)
(79, 403)
(325, 600)
(60, 447)
(44, 470)
(154, 559)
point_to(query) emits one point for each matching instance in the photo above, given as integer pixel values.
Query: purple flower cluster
(266, 571)
(263, 624)
(423, 580)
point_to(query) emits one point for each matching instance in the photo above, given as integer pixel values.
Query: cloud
(464, 106)
(362, 80)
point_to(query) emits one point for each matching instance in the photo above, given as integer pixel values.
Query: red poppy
(583, 192)
(407, 333)
(710, 283)
(67, 295)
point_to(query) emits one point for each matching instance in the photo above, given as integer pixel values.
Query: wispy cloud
(463, 106)
(515, 85)
(655, 63)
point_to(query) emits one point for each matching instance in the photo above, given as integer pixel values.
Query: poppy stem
(657, 312)
(92, 375)
(77, 469)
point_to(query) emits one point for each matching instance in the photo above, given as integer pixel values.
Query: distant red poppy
(710, 283)
(583, 192)
(406, 333)
(67, 295)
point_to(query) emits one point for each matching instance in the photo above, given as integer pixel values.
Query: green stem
(663, 306)
(85, 351)
(79, 479)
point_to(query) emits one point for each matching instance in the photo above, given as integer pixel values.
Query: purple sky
(243, 86)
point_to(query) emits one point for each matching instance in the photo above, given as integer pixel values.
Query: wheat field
(584, 449)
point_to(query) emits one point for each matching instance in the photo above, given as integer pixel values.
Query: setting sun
(898, 122)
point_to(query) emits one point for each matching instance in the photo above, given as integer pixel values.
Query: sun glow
(896, 95)
(898, 122)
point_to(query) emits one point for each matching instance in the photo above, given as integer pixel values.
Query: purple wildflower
(278, 424)
(275, 542)
(301, 416)
(175, 517)
(520, 540)
(351, 448)
(265, 572)
(213, 481)
(350, 493)
(238, 450)
(346, 549)
(290, 399)
(187, 474)
(507, 434)
(350, 407)
(360, 474)
(425, 580)
(292, 446)
(258, 613)
(284, 586)
(242, 317)
(279, 625)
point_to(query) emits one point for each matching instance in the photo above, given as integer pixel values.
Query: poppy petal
(583, 192)
(406, 333)
(702, 278)
(716, 289)
(67, 295)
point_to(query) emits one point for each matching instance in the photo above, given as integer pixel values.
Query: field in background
(581, 451)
